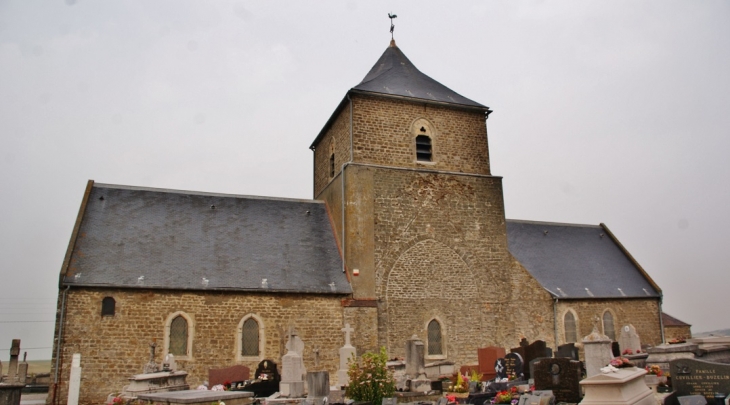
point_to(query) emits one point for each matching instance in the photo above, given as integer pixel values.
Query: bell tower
(403, 164)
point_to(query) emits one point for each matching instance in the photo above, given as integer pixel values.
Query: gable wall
(115, 348)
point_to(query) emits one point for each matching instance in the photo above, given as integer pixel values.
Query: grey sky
(604, 111)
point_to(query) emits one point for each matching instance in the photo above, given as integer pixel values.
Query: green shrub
(371, 380)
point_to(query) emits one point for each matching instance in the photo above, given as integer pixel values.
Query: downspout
(555, 321)
(59, 341)
(661, 321)
(342, 177)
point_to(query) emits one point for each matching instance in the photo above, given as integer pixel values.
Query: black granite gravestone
(697, 377)
(500, 369)
(266, 382)
(513, 365)
(560, 375)
(567, 350)
(534, 350)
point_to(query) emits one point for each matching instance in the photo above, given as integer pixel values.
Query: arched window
(250, 338)
(108, 306)
(571, 334)
(423, 148)
(332, 165)
(179, 336)
(608, 328)
(435, 342)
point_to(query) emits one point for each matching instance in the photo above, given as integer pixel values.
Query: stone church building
(405, 235)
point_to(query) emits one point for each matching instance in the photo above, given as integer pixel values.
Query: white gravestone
(292, 368)
(74, 381)
(347, 352)
(597, 351)
(629, 339)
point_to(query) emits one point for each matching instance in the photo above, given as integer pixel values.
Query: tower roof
(394, 74)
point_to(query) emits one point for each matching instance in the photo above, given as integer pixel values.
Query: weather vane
(392, 27)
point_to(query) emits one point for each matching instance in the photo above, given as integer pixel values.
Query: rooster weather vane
(392, 26)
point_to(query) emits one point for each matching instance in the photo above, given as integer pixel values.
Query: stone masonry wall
(336, 140)
(440, 253)
(383, 134)
(530, 309)
(115, 348)
(677, 332)
(642, 313)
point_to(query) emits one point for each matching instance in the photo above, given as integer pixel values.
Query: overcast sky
(604, 111)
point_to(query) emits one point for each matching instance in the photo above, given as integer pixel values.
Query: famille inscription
(697, 377)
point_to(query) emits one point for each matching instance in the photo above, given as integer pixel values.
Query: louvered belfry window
(179, 336)
(423, 148)
(608, 329)
(570, 333)
(434, 338)
(250, 338)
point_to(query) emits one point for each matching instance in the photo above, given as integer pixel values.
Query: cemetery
(530, 374)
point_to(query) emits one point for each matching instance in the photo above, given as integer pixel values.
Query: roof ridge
(203, 193)
(548, 223)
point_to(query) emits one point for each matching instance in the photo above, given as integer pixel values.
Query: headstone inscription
(629, 339)
(567, 350)
(487, 357)
(560, 375)
(513, 365)
(692, 400)
(697, 377)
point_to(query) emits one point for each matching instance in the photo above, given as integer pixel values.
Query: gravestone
(629, 339)
(318, 384)
(532, 399)
(624, 386)
(415, 365)
(692, 400)
(292, 384)
(499, 369)
(151, 366)
(531, 365)
(347, 353)
(13, 366)
(233, 374)
(598, 354)
(294, 343)
(533, 351)
(487, 357)
(514, 365)
(615, 349)
(567, 350)
(561, 376)
(697, 377)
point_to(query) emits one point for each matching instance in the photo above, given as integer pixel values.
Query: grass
(39, 366)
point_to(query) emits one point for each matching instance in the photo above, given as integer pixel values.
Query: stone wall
(677, 332)
(115, 348)
(642, 313)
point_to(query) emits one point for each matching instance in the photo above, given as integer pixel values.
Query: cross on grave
(347, 329)
(316, 357)
(151, 366)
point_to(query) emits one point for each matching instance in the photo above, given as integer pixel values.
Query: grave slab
(195, 397)
(623, 387)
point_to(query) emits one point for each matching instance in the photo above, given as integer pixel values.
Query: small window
(332, 165)
(179, 336)
(608, 329)
(423, 148)
(435, 343)
(250, 338)
(108, 306)
(571, 335)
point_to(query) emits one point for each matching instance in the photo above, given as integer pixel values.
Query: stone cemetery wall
(115, 348)
(697, 377)
(642, 313)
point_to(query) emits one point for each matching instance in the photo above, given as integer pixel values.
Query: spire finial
(392, 27)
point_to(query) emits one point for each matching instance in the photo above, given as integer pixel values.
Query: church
(405, 235)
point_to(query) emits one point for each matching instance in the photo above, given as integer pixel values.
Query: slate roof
(578, 261)
(136, 237)
(394, 74)
(668, 320)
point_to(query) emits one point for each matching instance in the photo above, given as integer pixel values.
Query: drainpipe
(342, 177)
(59, 341)
(555, 321)
(661, 321)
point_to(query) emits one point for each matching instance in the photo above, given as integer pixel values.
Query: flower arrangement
(475, 376)
(677, 341)
(117, 400)
(371, 381)
(505, 397)
(218, 387)
(461, 384)
(655, 370)
(621, 362)
(628, 352)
